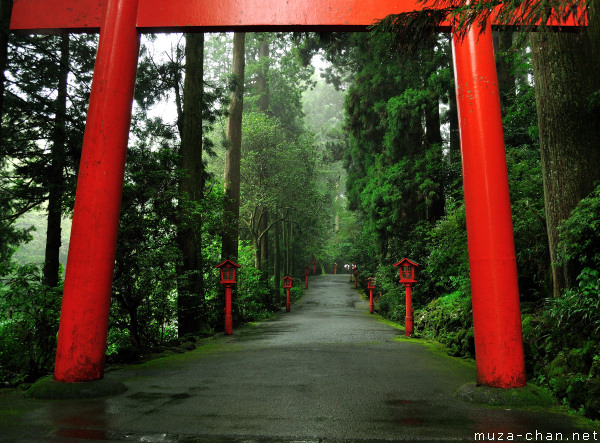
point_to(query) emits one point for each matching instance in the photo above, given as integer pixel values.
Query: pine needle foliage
(412, 29)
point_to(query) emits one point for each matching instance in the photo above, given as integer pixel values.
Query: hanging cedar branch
(412, 29)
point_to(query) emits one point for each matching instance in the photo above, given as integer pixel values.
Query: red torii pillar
(90, 263)
(492, 259)
(86, 299)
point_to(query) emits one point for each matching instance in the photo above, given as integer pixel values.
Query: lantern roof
(287, 278)
(407, 260)
(228, 262)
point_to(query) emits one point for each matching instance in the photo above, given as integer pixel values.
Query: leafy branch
(413, 29)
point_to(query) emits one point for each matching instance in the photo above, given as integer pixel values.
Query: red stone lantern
(370, 287)
(355, 273)
(334, 268)
(287, 284)
(314, 263)
(228, 271)
(408, 271)
(306, 272)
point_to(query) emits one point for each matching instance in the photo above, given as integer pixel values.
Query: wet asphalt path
(327, 371)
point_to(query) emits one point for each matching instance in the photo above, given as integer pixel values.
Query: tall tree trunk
(506, 77)
(263, 105)
(433, 136)
(5, 15)
(276, 261)
(263, 73)
(191, 310)
(285, 230)
(56, 177)
(454, 142)
(566, 70)
(454, 131)
(257, 247)
(233, 155)
(264, 241)
(291, 246)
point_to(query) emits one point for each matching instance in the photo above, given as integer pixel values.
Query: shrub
(391, 295)
(250, 296)
(565, 347)
(449, 320)
(29, 313)
(448, 261)
(580, 234)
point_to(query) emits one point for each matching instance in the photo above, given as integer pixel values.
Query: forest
(277, 149)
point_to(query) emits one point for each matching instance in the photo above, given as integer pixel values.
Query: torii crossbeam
(87, 291)
(210, 15)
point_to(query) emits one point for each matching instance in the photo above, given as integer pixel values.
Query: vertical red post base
(228, 318)
(492, 260)
(287, 301)
(371, 308)
(90, 265)
(408, 320)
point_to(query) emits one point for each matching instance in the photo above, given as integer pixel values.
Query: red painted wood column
(409, 328)
(228, 316)
(90, 265)
(492, 260)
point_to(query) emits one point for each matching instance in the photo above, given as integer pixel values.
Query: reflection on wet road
(326, 371)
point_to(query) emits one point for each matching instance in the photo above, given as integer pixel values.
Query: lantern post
(370, 287)
(314, 263)
(228, 270)
(287, 284)
(306, 272)
(355, 273)
(408, 270)
(334, 268)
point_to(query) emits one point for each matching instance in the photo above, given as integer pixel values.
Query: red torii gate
(87, 291)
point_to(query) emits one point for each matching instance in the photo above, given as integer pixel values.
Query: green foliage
(398, 173)
(29, 122)
(392, 301)
(577, 309)
(410, 29)
(525, 180)
(564, 346)
(580, 234)
(562, 338)
(447, 269)
(449, 320)
(145, 281)
(29, 313)
(36, 148)
(251, 294)
(286, 78)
